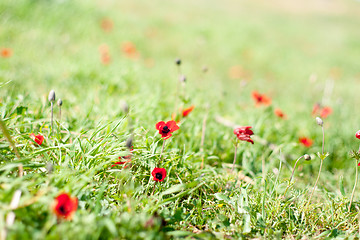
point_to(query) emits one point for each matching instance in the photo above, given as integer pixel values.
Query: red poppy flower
(159, 174)
(165, 129)
(127, 158)
(5, 52)
(187, 111)
(357, 134)
(105, 58)
(129, 49)
(65, 206)
(326, 111)
(37, 138)
(244, 133)
(107, 24)
(280, 113)
(261, 99)
(307, 142)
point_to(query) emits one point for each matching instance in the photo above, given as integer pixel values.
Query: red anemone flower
(280, 113)
(5, 52)
(37, 138)
(307, 142)
(129, 49)
(159, 174)
(165, 129)
(326, 111)
(244, 133)
(261, 99)
(127, 158)
(357, 134)
(65, 206)
(107, 24)
(187, 111)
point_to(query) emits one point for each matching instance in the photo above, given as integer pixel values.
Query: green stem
(323, 141)
(162, 150)
(292, 174)
(236, 144)
(353, 191)
(315, 182)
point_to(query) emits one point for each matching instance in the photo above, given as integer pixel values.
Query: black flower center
(165, 129)
(158, 176)
(63, 210)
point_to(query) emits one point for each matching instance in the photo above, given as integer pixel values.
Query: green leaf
(341, 184)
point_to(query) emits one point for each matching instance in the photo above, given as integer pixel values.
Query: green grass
(296, 59)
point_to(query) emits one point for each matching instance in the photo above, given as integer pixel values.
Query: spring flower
(126, 158)
(107, 24)
(261, 99)
(129, 49)
(187, 111)
(5, 52)
(165, 129)
(326, 111)
(65, 206)
(307, 142)
(279, 113)
(244, 133)
(37, 138)
(357, 134)
(159, 174)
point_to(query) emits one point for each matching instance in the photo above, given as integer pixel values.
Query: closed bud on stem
(129, 143)
(178, 61)
(124, 106)
(182, 78)
(319, 121)
(51, 96)
(307, 157)
(59, 102)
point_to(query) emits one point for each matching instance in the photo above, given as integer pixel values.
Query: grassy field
(99, 56)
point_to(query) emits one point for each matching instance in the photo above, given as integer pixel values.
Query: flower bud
(51, 96)
(129, 143)
(124, 106)
(319, 121)
(182, 78)
(357, 134)
(178, 61)
(205, 69)
(307, 157)
(59, 102)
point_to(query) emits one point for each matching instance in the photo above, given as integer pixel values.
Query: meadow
(106, 168)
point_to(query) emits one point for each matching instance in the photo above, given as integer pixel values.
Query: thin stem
(52, 115)
(236, 144)
(153, 189)
(292, 174)
(323, 141)
(203, 139)
(353, 191)
(162, 150)
(60, 114)
(315, 182)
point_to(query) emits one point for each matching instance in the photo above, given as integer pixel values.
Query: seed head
(182, 78)
(59, 102)
(307, 157)
(319, 121)
(51, 96)
(178, 61)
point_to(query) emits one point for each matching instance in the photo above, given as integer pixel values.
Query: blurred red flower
(159, 174)
(244, 133)
(307, 142)
(165, 129)
(5, 52)
(187, 111)
(65, 206)
(129, 49)
(127, 158)
(107, 24)
(261, 99)
(326, 111)
(37, 138)
(280, 113)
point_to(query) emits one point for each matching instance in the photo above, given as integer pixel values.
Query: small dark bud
(178, 61)
(307, 157)
(51, 96)
(182, 78)
(59, 102)
(129, 143)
